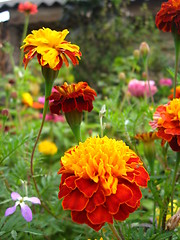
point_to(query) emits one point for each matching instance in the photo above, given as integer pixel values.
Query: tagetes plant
(101, 180)
(167, 121)
(51, 48)
(72, 99)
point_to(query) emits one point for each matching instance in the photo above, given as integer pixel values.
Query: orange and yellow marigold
(51, 48)
(167, 121)
(101, 180)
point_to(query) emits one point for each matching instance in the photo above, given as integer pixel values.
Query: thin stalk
(26, 24)
(115, 233)
(177, 48)
(147, 74)
(174, 180)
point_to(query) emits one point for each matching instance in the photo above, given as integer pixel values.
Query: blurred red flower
(167, 121)
(101, 180)
(171, 96)
(169, 16)
(67, 98)
(27, 7)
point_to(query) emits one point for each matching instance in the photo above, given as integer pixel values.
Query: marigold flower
(168, 16)
(27, 99)
(167, 121)
(140, 88)
(101, 180)
(177, 93)
(28, 8)
(146, 137)
(67, 98)
(47, 147)
(51, 48)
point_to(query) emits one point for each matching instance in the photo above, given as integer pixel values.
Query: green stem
(174, 180)
(26, 24)
(177, 48)
(115, 233)
(147, 76)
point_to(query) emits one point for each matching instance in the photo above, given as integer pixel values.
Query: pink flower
(165, 82)
(28, 8)
(53, 117)
(141, 88)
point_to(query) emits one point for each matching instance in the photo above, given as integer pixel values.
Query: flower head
(51, 48)
(165, 82)
(167, 121)
(101, 180)
(25, 209)
(28, 8)
(47, 147)
(76, 96)
(27, 99)
(177, 93)
(140, 88)
(168, 16)
(146, 137)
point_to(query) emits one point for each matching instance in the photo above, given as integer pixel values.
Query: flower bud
(11, 81)
(122, 76)
(14, 95)
(136, 53)
(7, 87)
(5, 112)
(144, 49)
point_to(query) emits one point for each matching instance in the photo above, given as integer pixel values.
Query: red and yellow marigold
(168, 16)
(101, 180)
(76, 96)
(177, 93)
(51, 48)
(167, 121)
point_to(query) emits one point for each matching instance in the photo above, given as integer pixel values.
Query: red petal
(100, 215)
(80, 217)
(68, 105)
(75, 201)
(64, 191)
(86, 186)
(136, 194)
(122, 195)
(55, 108)
(122, 214)
(97, 199)
(142, 178)
(70, 182)
(174, 144)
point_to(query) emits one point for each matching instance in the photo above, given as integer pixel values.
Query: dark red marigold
(167, 121)
(168, 16)
(101, 180)
(76, 96)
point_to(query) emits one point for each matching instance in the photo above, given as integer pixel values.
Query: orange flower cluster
(168, 16)
(70, 97)
(28, 8)
(101, 180)
(167, 121)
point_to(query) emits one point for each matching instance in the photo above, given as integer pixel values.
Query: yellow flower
(47, 147)
(27, 99)
(168, 215)
(51, 48)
